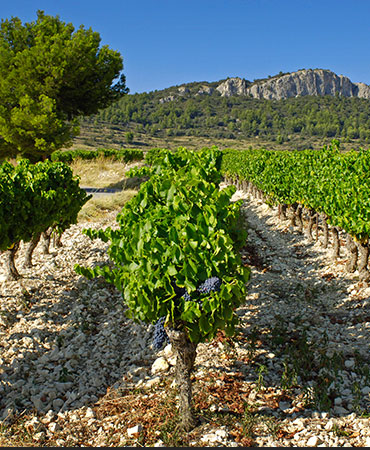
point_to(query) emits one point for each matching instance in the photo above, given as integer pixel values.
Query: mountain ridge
(316, 82)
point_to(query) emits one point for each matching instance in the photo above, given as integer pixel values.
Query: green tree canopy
(51, 74)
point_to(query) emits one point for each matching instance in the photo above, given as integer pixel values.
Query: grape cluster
(186, 296)
(212, 284)
(160, 336)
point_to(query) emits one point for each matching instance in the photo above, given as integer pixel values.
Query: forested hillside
(198, 109)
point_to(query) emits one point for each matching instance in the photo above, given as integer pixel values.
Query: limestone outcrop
(303, 82)
(296, 84)
(232, 86)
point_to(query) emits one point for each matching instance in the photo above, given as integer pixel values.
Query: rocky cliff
(296, 84)
(233, 86)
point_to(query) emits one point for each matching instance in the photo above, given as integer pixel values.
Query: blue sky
(170, 42)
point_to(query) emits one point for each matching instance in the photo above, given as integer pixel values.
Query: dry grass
(105, 173)
(102, 172)
(99, 206)
(16, 434)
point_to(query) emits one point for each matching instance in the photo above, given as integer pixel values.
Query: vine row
(36, 199)
(123, 155)
(328, 188)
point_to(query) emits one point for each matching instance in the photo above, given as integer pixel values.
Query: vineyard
(272, 359)
(326, 186)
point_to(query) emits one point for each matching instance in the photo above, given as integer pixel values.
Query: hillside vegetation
(198, 114)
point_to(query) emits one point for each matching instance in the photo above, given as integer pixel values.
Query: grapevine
(177, 232)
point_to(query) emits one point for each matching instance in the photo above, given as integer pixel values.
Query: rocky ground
(74, 371)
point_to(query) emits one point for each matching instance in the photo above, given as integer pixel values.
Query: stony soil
(74, 371)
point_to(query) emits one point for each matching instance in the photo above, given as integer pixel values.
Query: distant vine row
(324, 186)
(124, 155)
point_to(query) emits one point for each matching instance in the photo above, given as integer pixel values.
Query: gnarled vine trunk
(352, 254)
(317, 227)
(363, 253)
(11, 271)
(45, 243)
(283, 211)
(250, 188)
(293, 216)
(311, 217)
(245, 186)
(299, 220)
(336, 243)
(255, 191)
(57, 239)
(29, 251)
(325, 241)
(185, 352)
(279, 211)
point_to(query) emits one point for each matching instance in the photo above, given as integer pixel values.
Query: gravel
(63, 338)
(65, 342)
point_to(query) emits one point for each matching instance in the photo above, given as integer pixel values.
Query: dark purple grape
(212, 284)
(186, 296)
(160, 336)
